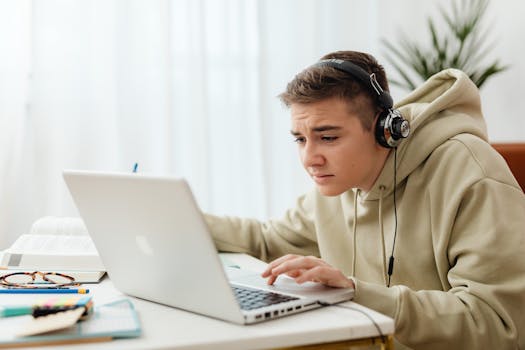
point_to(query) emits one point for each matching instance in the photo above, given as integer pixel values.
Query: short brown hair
(319, 83)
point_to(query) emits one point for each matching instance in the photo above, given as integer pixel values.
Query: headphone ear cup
(379, 131)
(391, 128)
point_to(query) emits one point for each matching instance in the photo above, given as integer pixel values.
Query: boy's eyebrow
(320, 128)
(326, 128)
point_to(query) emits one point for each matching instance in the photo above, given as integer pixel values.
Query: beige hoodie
(459, 274)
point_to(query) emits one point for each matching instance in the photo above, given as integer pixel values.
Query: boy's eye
(329, 138)
(299, 140)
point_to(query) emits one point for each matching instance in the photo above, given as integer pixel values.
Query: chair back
(514, 154)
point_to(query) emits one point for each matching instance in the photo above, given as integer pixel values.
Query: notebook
(117, 319)
(155, 244)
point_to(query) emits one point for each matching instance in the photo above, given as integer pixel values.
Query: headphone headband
(369, 80)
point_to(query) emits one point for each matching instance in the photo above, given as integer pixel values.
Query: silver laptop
(154, 243)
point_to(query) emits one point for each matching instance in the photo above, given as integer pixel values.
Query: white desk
(169, 328)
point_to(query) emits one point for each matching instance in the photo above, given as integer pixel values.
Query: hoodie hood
(446, 105)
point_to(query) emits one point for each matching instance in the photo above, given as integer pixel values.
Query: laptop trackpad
(285, 284)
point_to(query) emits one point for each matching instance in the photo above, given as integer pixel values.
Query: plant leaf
(462, 44)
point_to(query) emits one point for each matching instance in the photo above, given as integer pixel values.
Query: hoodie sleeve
(483, 305)
(293, 234)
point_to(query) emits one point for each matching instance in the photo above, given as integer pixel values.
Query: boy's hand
(306, 268)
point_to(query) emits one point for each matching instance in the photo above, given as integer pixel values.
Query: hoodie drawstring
(354, 231)
(381, 229)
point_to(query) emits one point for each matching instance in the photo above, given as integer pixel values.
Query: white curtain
(183, 87)
(186, 88)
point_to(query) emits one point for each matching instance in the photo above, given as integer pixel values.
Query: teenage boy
(412, 207)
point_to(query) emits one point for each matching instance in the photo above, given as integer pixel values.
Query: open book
(58, 245)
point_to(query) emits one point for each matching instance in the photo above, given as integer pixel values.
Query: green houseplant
(460, 44)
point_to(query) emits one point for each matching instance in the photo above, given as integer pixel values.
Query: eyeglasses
(37, 280)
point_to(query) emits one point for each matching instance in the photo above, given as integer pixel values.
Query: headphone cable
(391, 259)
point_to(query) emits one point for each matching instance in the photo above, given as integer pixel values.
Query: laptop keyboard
(250, 299)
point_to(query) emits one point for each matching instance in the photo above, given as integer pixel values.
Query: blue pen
(135, 167)
(44, 291)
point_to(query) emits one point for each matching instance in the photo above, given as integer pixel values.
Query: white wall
(503, 98)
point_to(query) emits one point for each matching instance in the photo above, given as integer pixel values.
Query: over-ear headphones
(390, 126)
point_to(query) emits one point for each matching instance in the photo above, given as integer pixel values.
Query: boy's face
(335, 149)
